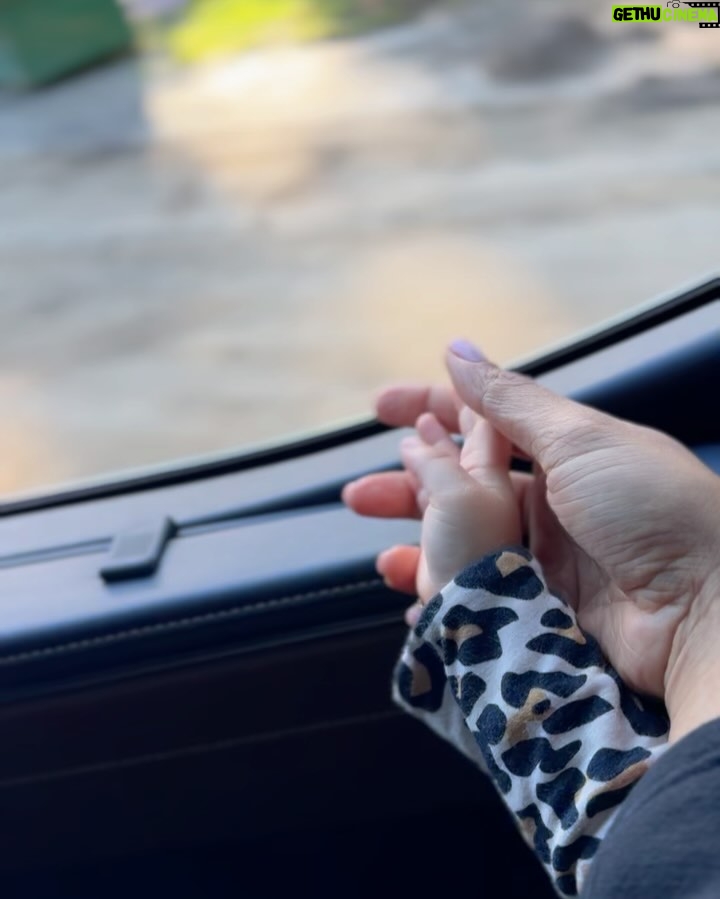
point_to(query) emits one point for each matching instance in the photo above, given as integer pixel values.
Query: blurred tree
(213, 27)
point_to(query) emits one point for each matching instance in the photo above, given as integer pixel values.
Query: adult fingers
(547, 427)
(398, 567)
(402, 404)
(393, 494)
(390, 494)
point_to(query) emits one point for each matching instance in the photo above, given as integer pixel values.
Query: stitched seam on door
(180, 623)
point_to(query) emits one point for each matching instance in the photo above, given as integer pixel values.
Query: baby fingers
(433, 458)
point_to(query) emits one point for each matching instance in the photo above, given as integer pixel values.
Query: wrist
(692, 680)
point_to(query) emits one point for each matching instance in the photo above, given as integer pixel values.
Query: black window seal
(645, 318)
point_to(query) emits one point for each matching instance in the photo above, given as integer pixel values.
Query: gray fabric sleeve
(665, 839)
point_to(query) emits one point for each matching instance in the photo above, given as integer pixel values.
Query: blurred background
(224, 222)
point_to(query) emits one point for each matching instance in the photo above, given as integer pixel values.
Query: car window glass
(243, 228)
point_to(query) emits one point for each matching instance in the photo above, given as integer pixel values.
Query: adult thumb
(548, 427)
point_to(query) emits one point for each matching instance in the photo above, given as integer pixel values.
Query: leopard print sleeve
(499, 667)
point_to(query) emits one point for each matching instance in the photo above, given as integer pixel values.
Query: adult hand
(623, 519)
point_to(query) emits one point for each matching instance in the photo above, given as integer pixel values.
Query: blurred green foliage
(214, 27)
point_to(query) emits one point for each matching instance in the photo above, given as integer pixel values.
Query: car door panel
(238, 697)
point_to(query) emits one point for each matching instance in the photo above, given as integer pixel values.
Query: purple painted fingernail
(467, 351)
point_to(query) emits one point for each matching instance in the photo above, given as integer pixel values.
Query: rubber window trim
(646, 318)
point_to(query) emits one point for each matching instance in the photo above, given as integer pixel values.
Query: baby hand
(468, 500)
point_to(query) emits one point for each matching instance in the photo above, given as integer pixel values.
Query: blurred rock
(547, 49)
(662, 92)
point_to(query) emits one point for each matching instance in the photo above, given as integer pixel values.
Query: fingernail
(467, 351)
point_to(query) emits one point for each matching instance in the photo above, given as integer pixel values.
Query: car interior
(196, 663)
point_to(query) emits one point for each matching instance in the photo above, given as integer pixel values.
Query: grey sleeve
(665, 841)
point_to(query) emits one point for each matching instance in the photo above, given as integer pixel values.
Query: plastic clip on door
(137, 553)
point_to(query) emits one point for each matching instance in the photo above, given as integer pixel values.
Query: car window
(242, 228)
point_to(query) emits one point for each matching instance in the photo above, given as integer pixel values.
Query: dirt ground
(197, 260)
